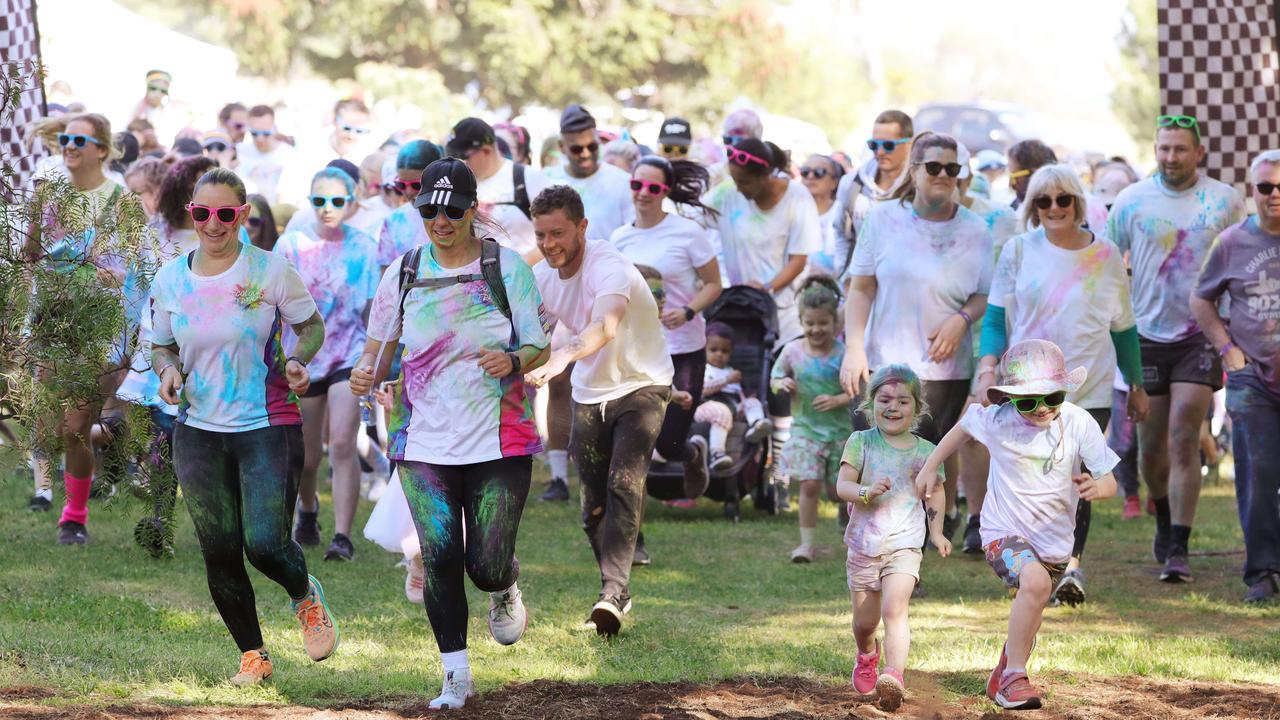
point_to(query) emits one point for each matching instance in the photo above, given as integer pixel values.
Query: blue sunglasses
(337, 201)
(65, 139)
(888, 145)
(262, 133)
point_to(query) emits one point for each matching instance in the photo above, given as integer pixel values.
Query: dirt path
(1070, 698)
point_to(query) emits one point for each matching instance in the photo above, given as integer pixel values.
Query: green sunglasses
(1029, 403)
(1182, 121)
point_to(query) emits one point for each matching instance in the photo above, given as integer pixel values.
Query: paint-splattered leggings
(612, 444)
(240, 489)
(489, 498)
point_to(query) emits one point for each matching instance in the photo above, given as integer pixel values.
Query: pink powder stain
(1181, 257)
(422, 368)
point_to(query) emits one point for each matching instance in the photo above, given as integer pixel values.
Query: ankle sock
(77, 507)
(1010, 672)
(1180, 537)
(559, 462)
(806, 536)
(454, 661)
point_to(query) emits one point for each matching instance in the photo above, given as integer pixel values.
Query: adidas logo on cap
(443, 184)
(674, 128)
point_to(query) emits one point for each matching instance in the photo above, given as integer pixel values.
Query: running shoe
(557, 491)
(1160, 545)
(993, 680)
(759, 430)
(340, 549)
(458, 689)
(1017, 693)
(1070, 590)
(973, 536)
(255, 667)
(507, 616)
(696, 471)
(782, 498)
(720, 460)
(1263, 591)
(72, 533)
(1132, 508)
(1176, 568)
(891, 689)
(414, 580)
(866, 671)
(802, 554)
(307, 529)
(640, 557)
(949, 525)
(39, 503)
(319, 633)
(608, 611)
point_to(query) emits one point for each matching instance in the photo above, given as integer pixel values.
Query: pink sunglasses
(201, 214)
(654, 188)
(742, 157)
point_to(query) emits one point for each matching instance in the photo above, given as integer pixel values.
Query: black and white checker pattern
(20, 43)
(1218, 63)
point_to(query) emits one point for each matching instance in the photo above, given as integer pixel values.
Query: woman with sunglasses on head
(263, 233)
(1067, 284)
(679, 249)
(217, 347)
(919, 278)
(403, 230)
(821, 175)
(463, 434)
(338, 265)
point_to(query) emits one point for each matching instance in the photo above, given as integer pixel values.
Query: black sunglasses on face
(816, 173)
(1266, 188)
(157, 88)
(429, 212)
(1044, 202)
(1029, 403)
(579, 149)
(936, 168)
(216, 147)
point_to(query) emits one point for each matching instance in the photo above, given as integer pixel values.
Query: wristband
(986, 371)
(688, 313)
(515, 364)
(862, 495)
(967, 320)
(1222, 352)
(160, 373)
(294, 358)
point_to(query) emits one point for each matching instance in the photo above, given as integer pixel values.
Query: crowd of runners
(1001, 333)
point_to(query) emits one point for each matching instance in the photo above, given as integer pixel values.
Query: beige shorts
(866, 573)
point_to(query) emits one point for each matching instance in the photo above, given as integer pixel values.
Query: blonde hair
(47, 129)
(1051, 181)
(895, 374)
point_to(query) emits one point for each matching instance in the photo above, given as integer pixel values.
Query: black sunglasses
(156, 88)
(216, 147)
(816, 173)
(1029, 403)
(1044, 202)
(1266, 188)
(936, 168)
(429, 212)
(578, 149)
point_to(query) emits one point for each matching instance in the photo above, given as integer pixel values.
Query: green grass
(104, 622)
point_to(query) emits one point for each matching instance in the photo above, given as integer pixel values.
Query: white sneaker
(720, 460)
(458, 688)
(802, 554)
(507, 616)
(414, 580)
(376, 486)
(759, 430)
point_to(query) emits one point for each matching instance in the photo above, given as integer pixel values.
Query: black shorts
(321, 387)
(1193, 360)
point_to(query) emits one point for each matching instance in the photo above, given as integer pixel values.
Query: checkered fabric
(20, 43)
(1218, 64)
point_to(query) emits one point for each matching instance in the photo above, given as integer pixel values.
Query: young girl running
(1037, 440)
(886, 527)
(809, 370)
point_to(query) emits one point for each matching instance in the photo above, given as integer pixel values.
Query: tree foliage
(1136, 97)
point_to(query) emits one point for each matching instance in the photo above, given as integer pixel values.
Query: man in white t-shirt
(350, 140)
(605, 189)
(621, 383)
(504, 188)
(263, 157)
(876, 181)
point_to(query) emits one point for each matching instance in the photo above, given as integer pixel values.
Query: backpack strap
(490, 274)
(408, 273)
(520, 193)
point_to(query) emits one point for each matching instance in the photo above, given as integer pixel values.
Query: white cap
(962, 157)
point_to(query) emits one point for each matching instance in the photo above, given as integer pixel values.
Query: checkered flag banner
(20, 47)
(1218, 64)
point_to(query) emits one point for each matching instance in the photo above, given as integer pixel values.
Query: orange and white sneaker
(255, 667)
(414, 580)
(319, 633)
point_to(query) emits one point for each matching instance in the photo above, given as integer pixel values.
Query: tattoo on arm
(932, 513)
(310, 334)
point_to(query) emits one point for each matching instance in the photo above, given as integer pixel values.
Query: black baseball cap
(469, 134)
(675, 131)
(347, 167)
(449, 182)
(576, 118)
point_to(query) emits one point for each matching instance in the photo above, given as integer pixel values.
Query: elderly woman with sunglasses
(821, 175)
(1065, 283)
(403, 230)
(217, 316)
(462, 431)
(338, 265)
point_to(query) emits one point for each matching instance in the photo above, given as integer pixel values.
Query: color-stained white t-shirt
(675, 247)
(606, 196)
(637, 356)
(261, 171)
(228, 329)
(496, 197)
(895, 520)
(402, 230)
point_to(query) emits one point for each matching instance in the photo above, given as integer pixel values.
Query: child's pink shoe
(866, 671)
(891, 689)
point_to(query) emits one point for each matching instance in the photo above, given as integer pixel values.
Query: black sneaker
(1070, 590)
(949, 525)
(39, 503)
(72, 533)
(782, 495)
(340, 548)
(697, 475)
(973, 536)
(1263, 591)
(1160, 545)
(307, 529)
(607, 613)
(557, 491)
(641, 556)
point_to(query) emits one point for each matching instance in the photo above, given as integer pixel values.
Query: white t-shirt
(1167, 235)
(925, 272)
(675, 247)
(1074, 298)
(895, 520)
(1029, 489)
(606, 195)
(637, 356)
(228, 329)
(496, 195)
(261, 171)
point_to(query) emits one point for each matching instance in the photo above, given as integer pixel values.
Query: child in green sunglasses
(1037, 442)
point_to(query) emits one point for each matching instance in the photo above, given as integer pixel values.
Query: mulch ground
(1069, 698)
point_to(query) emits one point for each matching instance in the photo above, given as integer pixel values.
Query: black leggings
(673, 439)
(1084, 509)
(240, 489)
(485, 500)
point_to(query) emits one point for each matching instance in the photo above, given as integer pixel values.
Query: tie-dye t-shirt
(814, 376)
(342, 276)
(1074, 298)
(925, 272)
(895, 520)
(1167, 235)
(606, 196)
(456, 413)
(1244, 263)
(228, 328)
(401, 232)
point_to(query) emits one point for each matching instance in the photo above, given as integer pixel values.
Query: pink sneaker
(1132, 508)
(1017, 693)
(993, 680)
(891, 689)
(866, 671)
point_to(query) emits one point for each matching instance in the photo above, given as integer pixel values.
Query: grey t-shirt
(1244, 262)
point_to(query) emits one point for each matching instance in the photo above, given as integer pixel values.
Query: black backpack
(520, 193)
(490, 273)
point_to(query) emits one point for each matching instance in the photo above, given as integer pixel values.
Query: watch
(515, 364)
(295, 358)
(688, 313)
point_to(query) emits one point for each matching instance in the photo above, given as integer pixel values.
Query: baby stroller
(754, 319)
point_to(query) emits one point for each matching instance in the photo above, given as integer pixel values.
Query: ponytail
(688, 181)
(781, 158)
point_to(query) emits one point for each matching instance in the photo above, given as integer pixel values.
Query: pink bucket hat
(1035, 367)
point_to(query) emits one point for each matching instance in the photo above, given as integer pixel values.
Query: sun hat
(1035, 367)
